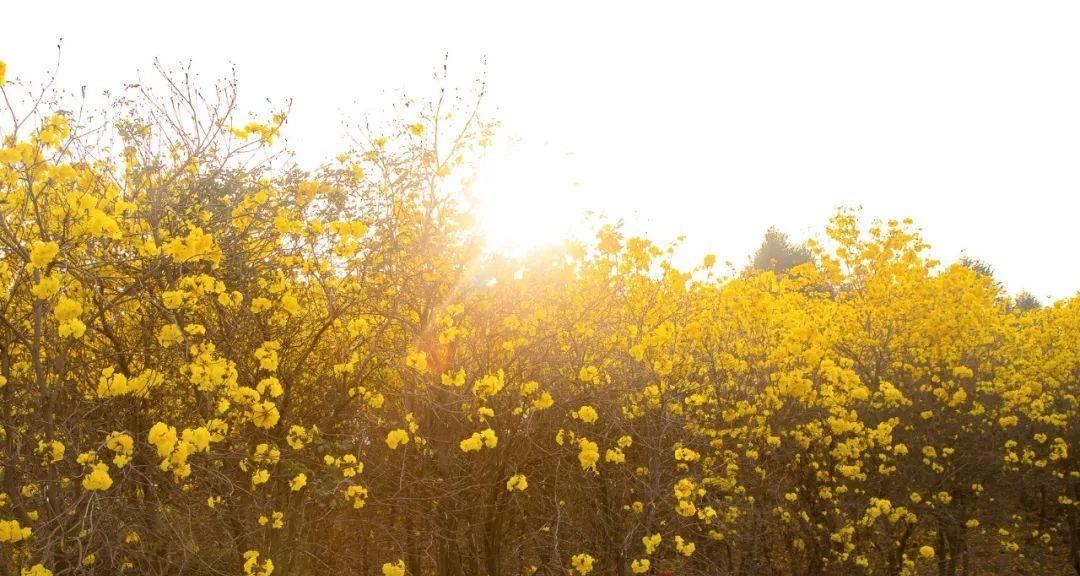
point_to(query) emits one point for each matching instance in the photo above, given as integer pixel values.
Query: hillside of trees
(214, 363)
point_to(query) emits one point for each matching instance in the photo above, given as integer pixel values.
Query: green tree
(778, 254)
(1025, 301)
(982, 268)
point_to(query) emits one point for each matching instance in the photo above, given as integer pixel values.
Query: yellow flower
(394, 569)
(195, 247)
(47, 287)
(36, 569)
(582, 563)
(12, 532)
(588, 455)
(927, 552)
(170, 334)
(265, 453)
(686, 455)
(264, 414)
(54, 450)
(42, 253)
(455, 379)
(417, 360)
(479, 440)
(163, 437)
(276, 520)
(72, 329)
(640, 566)
(544, 402)
(173, 299)
(271, 386)
(297, 437)
(589, 374)
(489, 385)
(98, 478)
(397, 437)
(267, 355)
(197, 438)
(358, 495)
(67, 312)
(586, 414)
(471, 444)
(252, 566)
(651, 542)
(260, 476)
(683, 547)
(517, 482)
(290, 304)
(298, 482)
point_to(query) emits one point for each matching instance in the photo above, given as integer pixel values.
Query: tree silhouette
(778, 254)
(1026, 301)
(982, 268)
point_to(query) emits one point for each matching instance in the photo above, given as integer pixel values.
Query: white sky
(716, 122)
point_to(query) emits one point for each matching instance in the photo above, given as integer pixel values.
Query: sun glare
(527, 197)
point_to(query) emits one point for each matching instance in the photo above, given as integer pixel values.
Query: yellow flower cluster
(395, 438)
(97, 478)
(582, 563)
(517, 482)
(252, 566)
(11, 531)
(394, 568)
(257, 336)
(586, 414)
(485, 438)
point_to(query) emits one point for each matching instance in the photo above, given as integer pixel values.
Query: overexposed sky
(714, 120)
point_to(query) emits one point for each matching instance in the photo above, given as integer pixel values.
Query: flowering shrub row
(212, 365)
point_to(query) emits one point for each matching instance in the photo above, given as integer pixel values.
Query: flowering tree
(213, 364)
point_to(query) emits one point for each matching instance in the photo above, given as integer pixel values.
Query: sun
(526, 198)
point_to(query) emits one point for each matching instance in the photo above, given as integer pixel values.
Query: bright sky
(715, 122)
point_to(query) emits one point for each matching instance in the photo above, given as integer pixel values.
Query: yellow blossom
(586, 414)
(394, 438)
(651, 542)
(582, 563)
(298, 482)
(517, 482)
(588, 455)
(98, 478)
(394, 568)
(42, 253)
(12, 532)
(264, 414)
